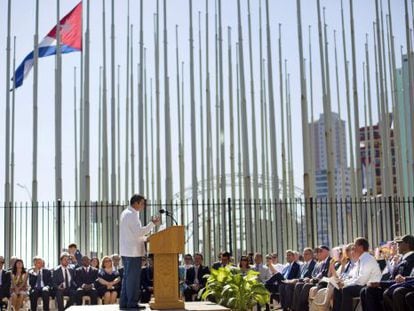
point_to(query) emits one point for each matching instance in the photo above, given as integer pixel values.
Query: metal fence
(46, 229)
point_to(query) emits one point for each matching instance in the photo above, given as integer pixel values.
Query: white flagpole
(100, 137)
(202, 166)
(7, 218)
(86, 117)
(35, 112)
(167, 121)
(132, 114)
(311, 134)
(141, 164)
(157, 101)
(58, 110)
(126, 183)
(75, 129)
(13, 119)
(105, 170)
(113, 107)
(118, 130)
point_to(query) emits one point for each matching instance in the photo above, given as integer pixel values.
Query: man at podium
(132, 249)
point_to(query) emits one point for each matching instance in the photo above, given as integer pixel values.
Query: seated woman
(19, 287)
(95, 262)
(108, 281)
(244, 265)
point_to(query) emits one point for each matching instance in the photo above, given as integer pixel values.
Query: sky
(283, 12)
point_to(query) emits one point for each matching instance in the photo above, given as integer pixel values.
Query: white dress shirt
(132, 234)
(366, 270)
(64, 277)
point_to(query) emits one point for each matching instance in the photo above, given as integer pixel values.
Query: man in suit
(75, 256)
(320, 270)
(40, 281)
(224, 261)
(64, 282)
(287, 287)
(85, 278)
(195, 280)
(5, 282)
(400, 296)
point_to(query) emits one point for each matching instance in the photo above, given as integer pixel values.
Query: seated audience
(366, 270)
(262, 269)
(95, 262)
(195, 280)
(63, 279)
(108, 281)
(40, 281)
(147, 280)
(287, 287)
(224, 261)
(400, 296)
(116, 261)
(244, 265)
(85, 278)
(5, 282)
(18, 288)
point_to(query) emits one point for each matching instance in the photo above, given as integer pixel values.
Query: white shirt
(64, 276)
(366, 270)
(132, 234)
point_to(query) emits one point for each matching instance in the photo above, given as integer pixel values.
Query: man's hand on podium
(156, 220)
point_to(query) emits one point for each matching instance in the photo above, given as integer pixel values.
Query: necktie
(304, 268)
(287, 271)
(39, 280)
(196, 275)
(66, 279)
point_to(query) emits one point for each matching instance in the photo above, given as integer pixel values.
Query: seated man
(224, 261)
(85, 278)
(195, 277)
(400, 296)
(262, 269)
(5, 282)
(287, 287)
(366, 270)
(147, 280)
(64, 282)
(290, 271)
(372, 295)
(40, 281)
(321, 269)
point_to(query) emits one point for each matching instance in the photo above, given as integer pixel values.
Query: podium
(166, 245)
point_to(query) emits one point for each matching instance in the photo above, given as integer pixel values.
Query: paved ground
(189, 306)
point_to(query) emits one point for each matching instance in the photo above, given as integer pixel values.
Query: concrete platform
(189, 306)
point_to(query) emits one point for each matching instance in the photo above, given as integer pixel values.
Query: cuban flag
(70, 41)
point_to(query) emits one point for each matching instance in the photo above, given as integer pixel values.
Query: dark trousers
(131, 283)
(286, 292)
(92, 293)
(409, 300)
(343, 297)
(145, 296)
(35, 294)
(59, 298)
(396, 299)
(188, 294)
(296, 295)
(371, 298)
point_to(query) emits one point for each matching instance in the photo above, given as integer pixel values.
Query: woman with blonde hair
(108, 281)
(19, 288)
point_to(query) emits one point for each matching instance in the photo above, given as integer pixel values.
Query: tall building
(341, 173)
(320, 159)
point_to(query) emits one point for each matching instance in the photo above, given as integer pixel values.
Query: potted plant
(229, 288)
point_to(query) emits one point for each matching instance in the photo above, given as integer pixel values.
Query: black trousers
(399, 299)
(286, 292)
(92, 293)
(35, 294)
(371, 298)
(343, 297)
(65, 292)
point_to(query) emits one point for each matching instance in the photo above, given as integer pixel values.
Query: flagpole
(13, 119)
(262, 100)
(157, 98)
(245, 136)
(348, 106)
(152, 146)
(410, 78)
(86, 116)
(311, 134)
(75, 128)
(118, 198)
(167, 120)
(232, 167)
(105, 172)
(126, 183)
(132, 114)
(141, 186)
(35, 113)
(146, 130)
(58, 110)
(100, 138)
(202, 166)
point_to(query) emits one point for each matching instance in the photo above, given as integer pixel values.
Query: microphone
(167, 213)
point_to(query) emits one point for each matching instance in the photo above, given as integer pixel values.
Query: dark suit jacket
(294, 272)
(190, 276)
(83, 277)
(307, 272)
(147, 277)
(5, 284)
(58, 277)
(404, 267)
(46, 277)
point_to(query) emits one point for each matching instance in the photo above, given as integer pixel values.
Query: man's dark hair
(198, 254)
(225, 254)
(362, 242)
(72, 245)
(136, 198)
(188, 256)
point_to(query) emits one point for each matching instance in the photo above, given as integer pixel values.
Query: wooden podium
(166, 245)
